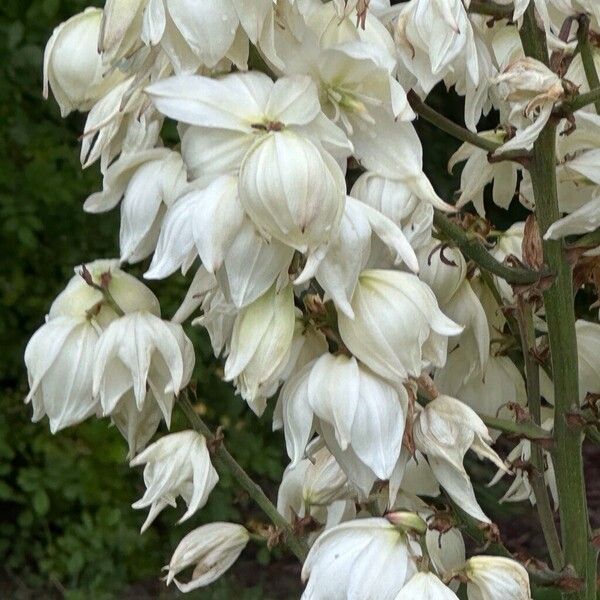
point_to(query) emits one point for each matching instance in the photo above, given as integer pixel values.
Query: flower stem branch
(474, 249)
(491, 9)
(537, 478)
(587, 58)
(527, 430)
(560, 316)
(450, 127)
(224, 462)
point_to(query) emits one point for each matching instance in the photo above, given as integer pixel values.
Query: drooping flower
(425, 586)
(211, 549)
(137, 352)
(177, 464)
(59, 359)
(368, 558)
(444, 430)
(496, 578)
(73, 67)
(398, 328)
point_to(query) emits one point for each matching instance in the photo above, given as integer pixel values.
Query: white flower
(290, 186)
(59, 359)
(496, 578)
(444, 430)
(191, 34)
(488, 391)
(140, 351)
(292, 190)
(398, 328)
(311, 486)
(583, 220)
(348, 252)
(435, 38)
(531, 89)
(178, 464)
(369, 559)
(260, 344)
(148, 182)
(479, 171)
(396, 201)
(443, 269)
(365, 411)
(212, 549)
(79, 299)
(425, 586)
(72, 65)
(135, 425)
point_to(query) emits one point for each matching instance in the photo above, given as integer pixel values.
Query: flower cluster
(297, 198)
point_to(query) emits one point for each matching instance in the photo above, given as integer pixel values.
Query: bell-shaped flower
(425, 586)
(192, 35)
(311, 487)
(442, 269)
(509, 244)
(299, 197)
(73, 67)
(211, 223)
(435, 38)
(219, 316)
(60, 358)
(147, 182)
(135, 425)
(211, 549)
(532, 90)
(261, 342)
(138, 352)
(368, 558)
(365, 411)
(79, 299)
(398, 327)
(496, 578)
(177, 464)
(396, 201)
(349, 250)
(444, 431)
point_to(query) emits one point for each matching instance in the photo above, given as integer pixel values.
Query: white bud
(398, 327)
(443, 269)
(178, 464)
(72, 65)
(212, 549)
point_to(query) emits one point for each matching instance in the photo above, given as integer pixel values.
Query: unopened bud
(407, 521)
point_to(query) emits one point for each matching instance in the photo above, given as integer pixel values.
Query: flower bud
(398, 327)
(212, 548)
(425, 586)
(407, 521)
(72, 65)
